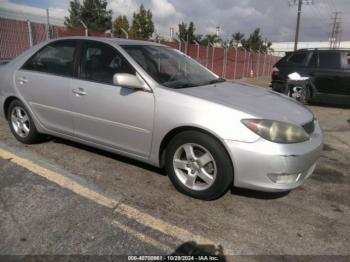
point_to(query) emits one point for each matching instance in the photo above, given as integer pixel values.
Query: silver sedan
(155, 104)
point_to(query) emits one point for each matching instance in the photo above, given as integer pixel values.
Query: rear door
(328, 74)
(345, 77)
(44, 82)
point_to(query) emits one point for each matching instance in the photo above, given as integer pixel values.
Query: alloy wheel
(194, 166)
(20, 121)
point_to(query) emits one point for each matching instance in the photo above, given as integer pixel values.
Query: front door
(106, 114)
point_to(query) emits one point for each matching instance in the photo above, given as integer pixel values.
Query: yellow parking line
(119, 207)
(59, 179)
(144, 238)
(161, 225)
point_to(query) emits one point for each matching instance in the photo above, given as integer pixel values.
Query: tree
(210, 38)
(187, 33)
(74, 14)
(93, 13)
(142, 25)
(182, 31)
(121, 22)
(254, 42)
(237, 38)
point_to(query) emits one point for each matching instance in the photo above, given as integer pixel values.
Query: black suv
(329, 72)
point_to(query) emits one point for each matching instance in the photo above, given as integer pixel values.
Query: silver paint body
(134, 122)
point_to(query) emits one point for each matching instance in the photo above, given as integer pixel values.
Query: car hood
(256, 101)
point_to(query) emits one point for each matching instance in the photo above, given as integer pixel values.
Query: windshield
(170, 67)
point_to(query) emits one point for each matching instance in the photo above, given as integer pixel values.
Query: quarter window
(100, 62)
(329, 60)
(56, 58)
(297, 58)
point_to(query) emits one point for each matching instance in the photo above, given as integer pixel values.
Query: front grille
(309, 127)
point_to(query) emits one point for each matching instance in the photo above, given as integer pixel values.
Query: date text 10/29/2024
(174, 258)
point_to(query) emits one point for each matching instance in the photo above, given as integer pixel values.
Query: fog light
(284, 178)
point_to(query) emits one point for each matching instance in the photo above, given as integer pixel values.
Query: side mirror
(127, 80)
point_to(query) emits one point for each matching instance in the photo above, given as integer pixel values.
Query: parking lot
(60, 197)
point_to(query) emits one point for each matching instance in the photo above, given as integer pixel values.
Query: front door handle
(79, 91)
(22, 80)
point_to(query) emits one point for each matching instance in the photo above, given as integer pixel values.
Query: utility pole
(171, 34)
(47, 24)
(217, 31)
(296, 39)
(297, 29)
(334, 39)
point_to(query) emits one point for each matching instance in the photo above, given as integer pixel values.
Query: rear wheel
(21, 123)
(198, 165)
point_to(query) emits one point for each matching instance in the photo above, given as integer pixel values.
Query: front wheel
(198, 165)
(300, 93)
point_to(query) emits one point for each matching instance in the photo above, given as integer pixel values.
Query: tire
(21, 123)
(203, 172)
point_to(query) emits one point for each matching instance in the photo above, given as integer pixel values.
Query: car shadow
(257, 194)
(199, 252)
(322, 102)
(113, 156)
(160, 171)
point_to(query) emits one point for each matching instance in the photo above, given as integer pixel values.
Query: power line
(325, 12)
(336, 25)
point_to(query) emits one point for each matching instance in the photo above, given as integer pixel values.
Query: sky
(276, 18)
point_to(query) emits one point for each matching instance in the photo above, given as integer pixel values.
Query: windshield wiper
(179, 84)
(217, 80)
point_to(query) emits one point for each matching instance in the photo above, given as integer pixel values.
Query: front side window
(100, 62)
(170, 67)
(56, 58)
(329, 60)
(297, 58)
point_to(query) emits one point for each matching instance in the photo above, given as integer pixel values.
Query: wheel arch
(172, 133)
(7, 103)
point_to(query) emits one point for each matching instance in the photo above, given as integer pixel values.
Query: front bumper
(255, 163)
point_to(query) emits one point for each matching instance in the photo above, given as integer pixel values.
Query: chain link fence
(230, 63)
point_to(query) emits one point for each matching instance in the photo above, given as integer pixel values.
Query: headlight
(276, 131)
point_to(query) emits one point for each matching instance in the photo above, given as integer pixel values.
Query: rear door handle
(79, 91)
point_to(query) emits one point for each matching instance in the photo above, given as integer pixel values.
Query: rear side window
(329, 60)
(284, 59)
(298, 58)
(56, 58)
(348, 59)
(313, 61)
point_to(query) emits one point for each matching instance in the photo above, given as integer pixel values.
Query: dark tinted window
(329, 60)
(348, 59)
(313, 60)
(100, 62)
(297, 58)
(56, 58)
(284, 59)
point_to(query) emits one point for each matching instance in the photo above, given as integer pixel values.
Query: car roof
(117, 41)
(322, 50)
